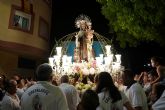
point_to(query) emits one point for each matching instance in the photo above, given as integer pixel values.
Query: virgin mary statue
(83, 40)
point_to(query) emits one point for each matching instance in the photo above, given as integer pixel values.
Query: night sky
(64, 13)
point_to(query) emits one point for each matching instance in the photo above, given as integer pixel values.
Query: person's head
(156, 61)
(152, 75)
(11, 86)
(16, 77)
(54, 80)
(64, 79)
(44, 72)
(90, 100)
(89, 34)
(105, 81)
(83, 25)
(21, 83)
(127, 76)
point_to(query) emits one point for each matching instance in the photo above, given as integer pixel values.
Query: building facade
(24, 35)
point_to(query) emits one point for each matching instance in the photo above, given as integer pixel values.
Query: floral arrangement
(85, 68)
(81, 87)
(82, 82)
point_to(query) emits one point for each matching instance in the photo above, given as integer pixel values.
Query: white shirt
(106, 101)
(160, 103)
(71, 94)
(43, 96)
(10, 103)
(20, 92)
(137, 96)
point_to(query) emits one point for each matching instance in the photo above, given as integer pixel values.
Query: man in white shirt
(43, 95)
(134, 91)
(160, 103)
(10, 101)
(70, 92)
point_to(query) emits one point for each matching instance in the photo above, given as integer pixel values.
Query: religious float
(84, 53)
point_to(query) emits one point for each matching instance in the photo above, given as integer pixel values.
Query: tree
(136, 20)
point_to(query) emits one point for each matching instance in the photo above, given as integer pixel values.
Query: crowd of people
(129, 92)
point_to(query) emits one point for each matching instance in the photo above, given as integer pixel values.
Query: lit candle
(101, 58)
(118, 58)
(64, 60)
(58, 50)
(51, 59)
(108, 49)
(69, 60)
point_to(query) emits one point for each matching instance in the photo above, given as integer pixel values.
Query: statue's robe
(82, 49)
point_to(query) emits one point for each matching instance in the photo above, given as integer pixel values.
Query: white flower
(92, 71)
(85, 71)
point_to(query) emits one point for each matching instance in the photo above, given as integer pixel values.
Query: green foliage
(136, 20)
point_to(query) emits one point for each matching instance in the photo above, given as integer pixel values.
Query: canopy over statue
(84, 39)
(90, 52)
